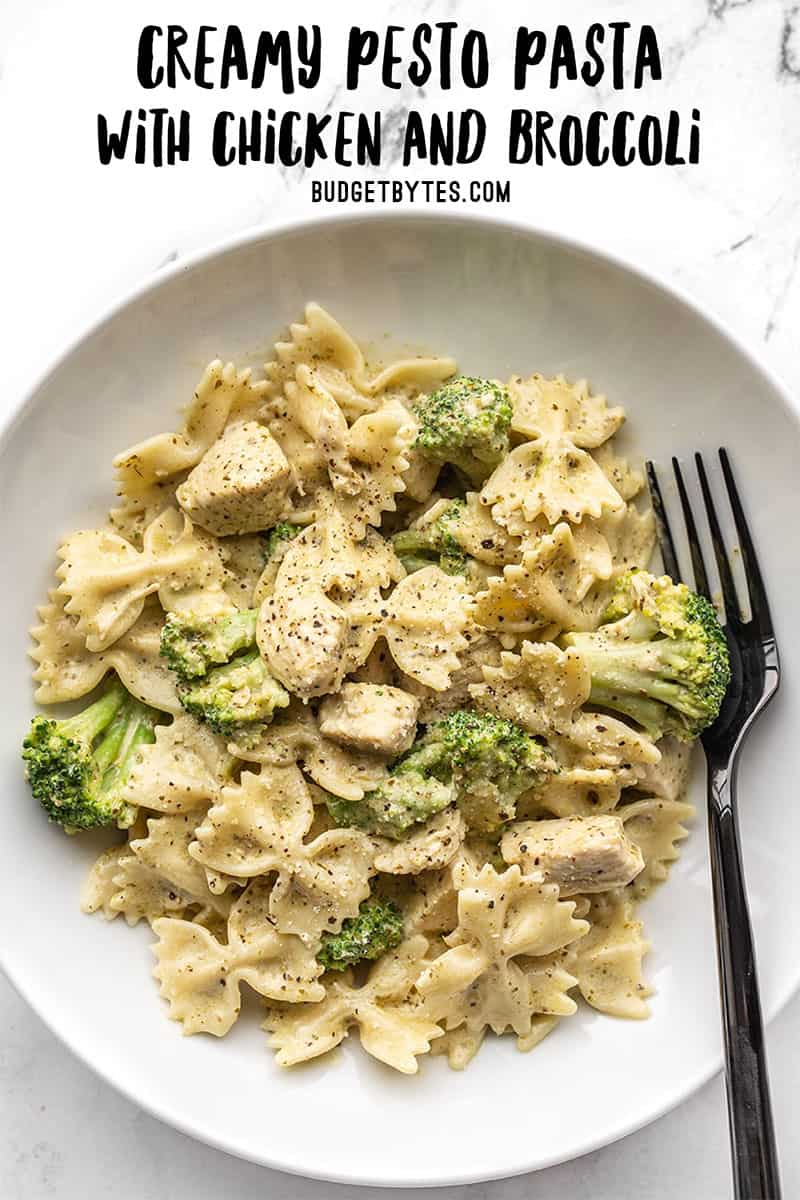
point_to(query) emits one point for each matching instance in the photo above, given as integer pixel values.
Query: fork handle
(755, 1160)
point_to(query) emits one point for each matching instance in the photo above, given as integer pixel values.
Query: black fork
(755, 673)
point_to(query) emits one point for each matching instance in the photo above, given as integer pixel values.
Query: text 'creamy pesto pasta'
(375, 680)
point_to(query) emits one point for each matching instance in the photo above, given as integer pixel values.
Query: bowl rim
(276, 230)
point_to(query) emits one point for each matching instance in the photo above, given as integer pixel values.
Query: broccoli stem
(86, 726)
(131, 728)
(642, 672)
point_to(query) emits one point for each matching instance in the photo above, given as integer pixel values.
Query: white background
(75, 235)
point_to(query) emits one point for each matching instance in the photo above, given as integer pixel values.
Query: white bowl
(501, 299)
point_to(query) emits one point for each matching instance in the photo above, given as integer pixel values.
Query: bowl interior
(500, 300)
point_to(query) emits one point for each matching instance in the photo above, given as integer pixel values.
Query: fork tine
(733, 613)
(759, 605)
(698, 566)
(663, 531)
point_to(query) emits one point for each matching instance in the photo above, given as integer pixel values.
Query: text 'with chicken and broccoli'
(379, 686)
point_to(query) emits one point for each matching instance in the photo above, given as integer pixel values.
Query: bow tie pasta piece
(107, 580)
(630, 538)
(221, 390)
(424, 626)
(478, 980)
(394, 1032)
(183, 769)
(260, 825)
(165, 852)
(484, 650)
(551, 478)
(576, 792)
(379, 447)
(668, 777)
(541, 689)
(296, 738)
(131, 517)
(656, 827)
(200, 589)
(366, 463)
(479, 535)
(201, 978)
(66, 670)
(311, 406)
(546, 408)
(624, 478)
(433, 846)
(242, 557)
(118, 883)
(607, 963)
(341, 367)
(461, 1045)
(548, 589)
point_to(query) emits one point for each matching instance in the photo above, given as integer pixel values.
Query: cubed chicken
(580, 854)
(240, 484)
(303, 638)
(371, 717)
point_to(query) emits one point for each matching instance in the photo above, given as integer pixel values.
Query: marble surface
(75, 235)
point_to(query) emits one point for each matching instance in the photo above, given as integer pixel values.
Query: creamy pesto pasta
(341, 701)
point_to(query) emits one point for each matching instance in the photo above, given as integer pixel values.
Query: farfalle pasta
(337, 649)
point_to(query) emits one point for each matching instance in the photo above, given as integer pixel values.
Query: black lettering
(148, 78)
(520, 141)
(592, 74)
(419, 72)
(362, 49)
(618, 58)
(528, 52)
(563, 56)
(648, 57)
(234, 57)
(475, 59)
(112, 145)
(390, 59)
(201, 59)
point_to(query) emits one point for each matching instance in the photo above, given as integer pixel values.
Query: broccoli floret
(237, 700)
(404, 799)
(276, 540)
(433, 543)
(480, 761)
(659, 657)
(377, 928)
(77, 768)
(465, 422)
(191, 644)
(492, 763)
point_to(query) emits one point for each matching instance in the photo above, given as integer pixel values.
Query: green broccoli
(433, 543)
(237, 700)
(191, 644)
(277, 539)
(405, 798)
(465, 422)
(77, 768)
(491, 761)
(659, 657)
(377, 929)
(482, 762)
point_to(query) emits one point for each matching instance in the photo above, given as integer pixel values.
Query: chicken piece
(241, 483)
(580, 854)
(303, 638)
(370, 716)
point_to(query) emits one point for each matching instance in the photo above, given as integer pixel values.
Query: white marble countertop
(75, 235)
